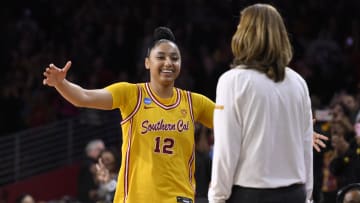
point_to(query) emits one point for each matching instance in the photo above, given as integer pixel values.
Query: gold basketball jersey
(158, 145)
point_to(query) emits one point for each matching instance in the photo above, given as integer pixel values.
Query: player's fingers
(48, 70)
(52, 66)
(46, 73)
(67, 66)
(44, 81)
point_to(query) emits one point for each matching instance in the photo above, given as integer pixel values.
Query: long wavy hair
(261, 41)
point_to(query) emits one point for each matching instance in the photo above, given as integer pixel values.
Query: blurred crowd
(339, 164)
(107, 41)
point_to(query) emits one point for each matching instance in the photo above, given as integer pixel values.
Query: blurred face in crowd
(337, 134)
(350, 102)
(337, 129)
(96, 150)
(99, 147)
(337, 111)
(353, 196)
(108, 159)
(164, 63)
(28, 199)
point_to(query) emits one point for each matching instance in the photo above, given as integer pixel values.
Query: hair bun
(163, 33)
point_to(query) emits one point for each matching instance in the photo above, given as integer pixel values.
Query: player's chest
(153, 119)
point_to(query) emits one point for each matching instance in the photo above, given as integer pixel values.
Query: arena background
(42, 137)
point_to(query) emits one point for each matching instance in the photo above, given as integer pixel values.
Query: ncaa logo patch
(147, 100)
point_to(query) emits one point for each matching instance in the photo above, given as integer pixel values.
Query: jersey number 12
(164, 145)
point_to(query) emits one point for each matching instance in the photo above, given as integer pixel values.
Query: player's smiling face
(164, 63)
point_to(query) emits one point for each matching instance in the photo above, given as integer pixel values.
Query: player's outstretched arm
(78, 96)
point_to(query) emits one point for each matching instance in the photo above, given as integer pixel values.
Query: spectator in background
(87, 186)
(340, 165)
(335, 168)
(346, 164)
(341, 113)
(262, 118)
(25, 198)
(351, 104)
(330, 183)
(352, 196)
(110, 159)
(349, 194)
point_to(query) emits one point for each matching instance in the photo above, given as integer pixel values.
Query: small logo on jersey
(183, 112)
(147, 100)
(183, 200)
(149, 107)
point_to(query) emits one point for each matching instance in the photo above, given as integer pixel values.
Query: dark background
(106, 40)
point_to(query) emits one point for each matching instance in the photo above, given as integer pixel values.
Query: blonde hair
(261, 41)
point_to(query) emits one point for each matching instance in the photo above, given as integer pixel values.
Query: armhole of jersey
(138, 103)
(188, 94)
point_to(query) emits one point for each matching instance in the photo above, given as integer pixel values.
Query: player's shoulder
(193, 95)
(198, 98)
(123, 84)
(122, 87)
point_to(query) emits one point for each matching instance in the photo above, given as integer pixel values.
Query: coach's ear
(147, 66)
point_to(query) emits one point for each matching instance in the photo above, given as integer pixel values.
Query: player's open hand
(54, 75)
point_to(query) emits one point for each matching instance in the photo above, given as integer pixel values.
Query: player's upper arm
(203, 109)
(99, 99)
(124, 96)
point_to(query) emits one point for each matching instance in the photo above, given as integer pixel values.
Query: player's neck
(162, 91)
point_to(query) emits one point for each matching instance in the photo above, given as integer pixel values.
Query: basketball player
(157, 125)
